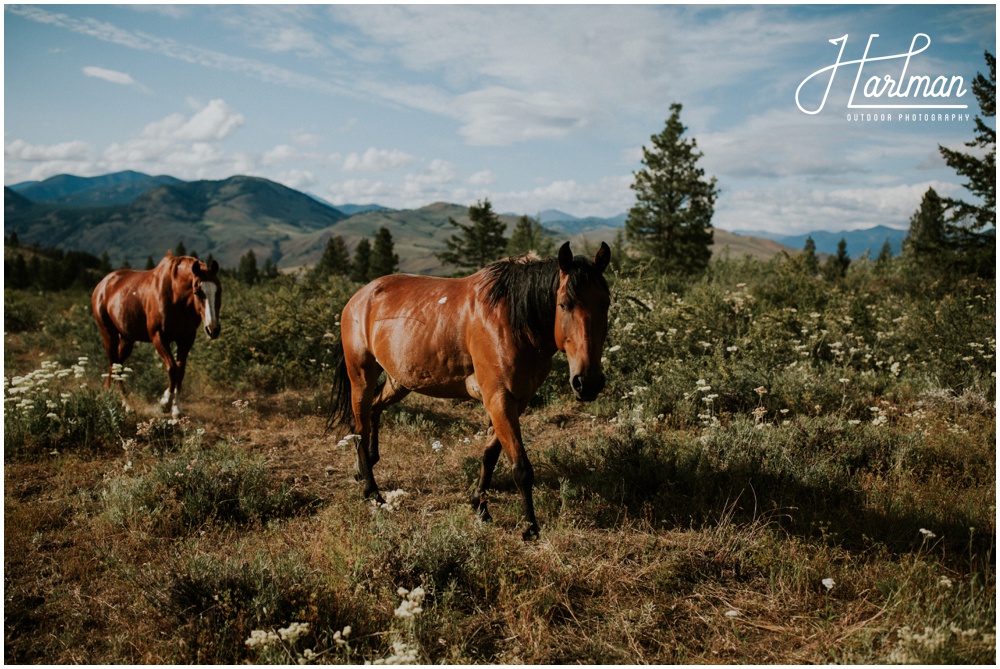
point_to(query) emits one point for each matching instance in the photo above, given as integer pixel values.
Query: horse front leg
(504, 412)
(169, 400)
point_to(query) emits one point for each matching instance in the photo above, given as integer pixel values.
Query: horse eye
(200, 293)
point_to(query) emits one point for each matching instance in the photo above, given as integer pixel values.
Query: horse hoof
(531, 532)
(483, 515)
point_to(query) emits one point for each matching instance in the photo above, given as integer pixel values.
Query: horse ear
(169, 254)
(565, 257)
(603, 257)
(197, 270)
(214, 267)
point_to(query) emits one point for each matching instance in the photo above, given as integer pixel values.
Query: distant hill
(858, 241)
(224, 218)
(229, 217)
(109, 189)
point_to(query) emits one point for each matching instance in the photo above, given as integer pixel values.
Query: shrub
(199, 486)
(213, 605)
(48, 411)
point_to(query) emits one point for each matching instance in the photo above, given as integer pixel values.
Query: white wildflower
(292, 633)
(828, 583)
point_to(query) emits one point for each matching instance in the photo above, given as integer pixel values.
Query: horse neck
(177, 276)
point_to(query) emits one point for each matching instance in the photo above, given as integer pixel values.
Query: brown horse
(490, 336)
(162, 305)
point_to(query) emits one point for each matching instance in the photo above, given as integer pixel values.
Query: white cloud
(63, 151)
(377, 160)
(212, 123)
(796, 209)
(481, 178)
(109, 75)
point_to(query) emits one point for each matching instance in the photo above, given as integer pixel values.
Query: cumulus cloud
(213, 123)
(377, 160)
(113, 76)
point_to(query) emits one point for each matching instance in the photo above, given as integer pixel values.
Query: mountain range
(131, 215)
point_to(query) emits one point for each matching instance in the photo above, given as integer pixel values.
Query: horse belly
(423, 357)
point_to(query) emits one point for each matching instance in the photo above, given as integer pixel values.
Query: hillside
(131, 215)
(225, 218)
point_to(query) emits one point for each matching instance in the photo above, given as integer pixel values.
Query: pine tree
(384, 259)
(971, 226)
(480, 242)
(149, 263)
(247, 271)
(927, 240)
(335, 260)
(181, 250)
(269, 271)
(360, 266)
(529, 235)
(810, 263)
(672, 217)
(105, 266)
(884, 256)
(836, 265)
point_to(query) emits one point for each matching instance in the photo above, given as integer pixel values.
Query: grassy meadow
(781, 469)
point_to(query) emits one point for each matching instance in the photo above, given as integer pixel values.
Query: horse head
(207, 293)
(581, 326)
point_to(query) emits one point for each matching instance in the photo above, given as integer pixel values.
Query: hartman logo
(889, 87)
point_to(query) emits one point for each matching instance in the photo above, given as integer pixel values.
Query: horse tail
(340, 393)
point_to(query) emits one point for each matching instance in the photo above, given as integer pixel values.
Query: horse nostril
(577, 383)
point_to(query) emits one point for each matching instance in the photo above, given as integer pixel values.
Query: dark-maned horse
(163, 305)
(489, 336)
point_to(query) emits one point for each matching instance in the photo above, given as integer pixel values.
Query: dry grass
(735, 590)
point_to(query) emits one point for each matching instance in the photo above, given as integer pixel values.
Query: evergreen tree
(13, 241)
(529, 235)
(17, 276)
(618, 256)
(247, 271)
(150, 264)
(836, 265)
(479, 243)
(884, 257)
(972, 227)
(672, 217)
(181, 250)
(927, 240)
(361, 265)
(383, 259)
(269, 271)
(335, 260)
(810, 263)
(105, 265)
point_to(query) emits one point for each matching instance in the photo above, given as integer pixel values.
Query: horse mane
(527, 285)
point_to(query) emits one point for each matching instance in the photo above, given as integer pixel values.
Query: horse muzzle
(213, 332)
(587, 388)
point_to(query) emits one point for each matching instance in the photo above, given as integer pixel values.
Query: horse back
(435, 336)
(131, 302)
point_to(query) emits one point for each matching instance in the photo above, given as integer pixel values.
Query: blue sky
(533, 106)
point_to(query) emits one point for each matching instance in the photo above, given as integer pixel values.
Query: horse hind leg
(363, 378)
(491, 453)
(390, 393)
